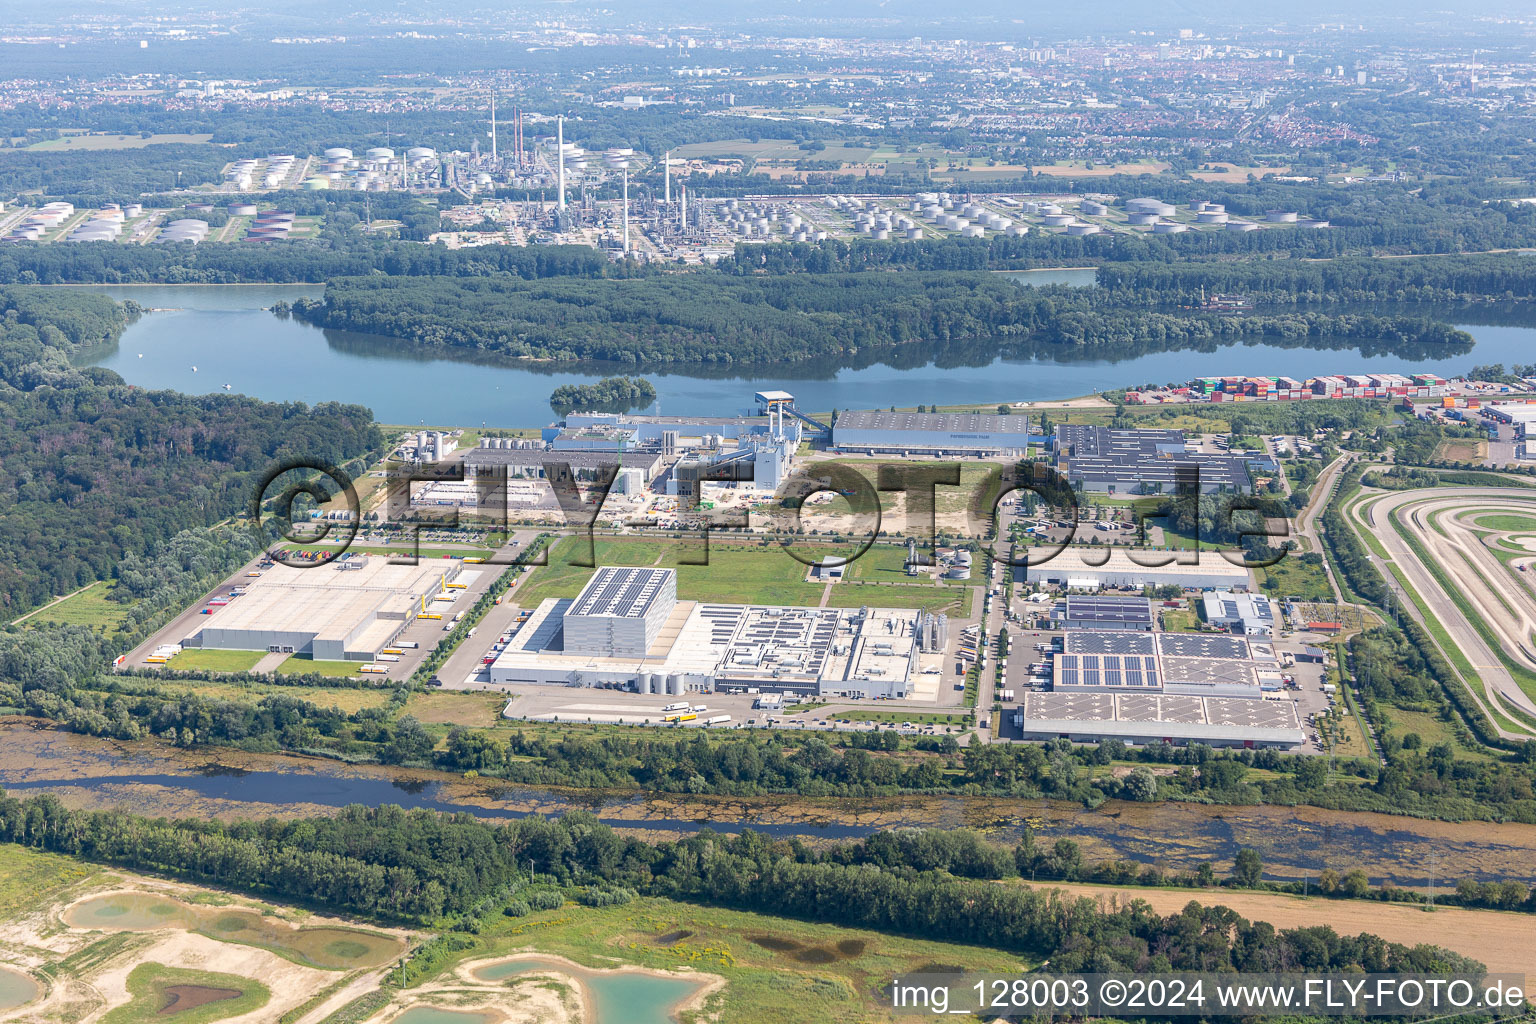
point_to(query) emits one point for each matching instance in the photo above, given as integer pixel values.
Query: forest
(292, 262)
(422, 867)
(700, 318)
(93, 471)
(611, 394)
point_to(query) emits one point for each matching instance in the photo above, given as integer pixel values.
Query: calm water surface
(626, 997)
(226, 332)
(16, 989)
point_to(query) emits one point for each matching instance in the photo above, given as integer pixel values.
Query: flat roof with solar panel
(622, 592)
(1087, 641)
(1106, 611)
(1202, 645)
(1105, 672)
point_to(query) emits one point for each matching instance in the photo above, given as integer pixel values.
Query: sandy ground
(1503, 941)
(30, 941)
(708, 984)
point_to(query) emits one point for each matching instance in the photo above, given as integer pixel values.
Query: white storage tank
(338, 153)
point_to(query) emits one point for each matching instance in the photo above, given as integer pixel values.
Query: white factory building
(1095, 567)
(1248, 614)
(345, 610)
(595, 639)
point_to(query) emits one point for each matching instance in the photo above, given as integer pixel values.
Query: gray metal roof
(962, 423)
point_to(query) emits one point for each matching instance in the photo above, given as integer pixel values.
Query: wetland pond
(16, 989)
(152, 779)
(615, 997)
(329, 948)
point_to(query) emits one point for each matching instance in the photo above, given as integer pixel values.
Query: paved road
(466, 660)
(1412, 509)
(1306, 523)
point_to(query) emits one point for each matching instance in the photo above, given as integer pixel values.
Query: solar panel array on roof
(620, 592)
(1089, 641)
(1109, 608)
(1110, 671)
(1203, 645)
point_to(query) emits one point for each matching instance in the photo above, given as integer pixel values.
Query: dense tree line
(298, 261)
(385, 862)
(705, 318)
(1350, 279)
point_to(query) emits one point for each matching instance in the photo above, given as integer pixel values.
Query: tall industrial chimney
(560, 162)
(493, 126)
(626, 211)
(666, 179)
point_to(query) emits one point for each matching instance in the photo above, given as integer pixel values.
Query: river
(157, 780)
(202, 337)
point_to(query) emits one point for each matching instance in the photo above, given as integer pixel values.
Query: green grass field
(215, 660)
(155, 988)
(89, 607)
(776, 969)
(347, 699)
(1506, 522)
(950, 600)
(33, 879)
(1430, 729)
(1291, 577)
(301, 664)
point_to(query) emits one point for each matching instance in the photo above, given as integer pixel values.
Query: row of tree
(421, 866)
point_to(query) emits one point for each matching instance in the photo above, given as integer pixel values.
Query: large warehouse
(693, 647)
(1091, 568)
(347, 610)
(1161, 687)
(917, 433)
(1102, 460)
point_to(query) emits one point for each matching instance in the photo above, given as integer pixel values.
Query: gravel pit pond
(328, 948)
(153, 779)
(16, 989)
(614, 997)
(437, 1015)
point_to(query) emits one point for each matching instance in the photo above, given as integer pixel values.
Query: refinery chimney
(493, 126)
(666, 179)
(560, 162)
(626, 210)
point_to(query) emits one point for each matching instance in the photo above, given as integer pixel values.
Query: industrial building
(1092, 568)
(916, 433)
(620, 612)
(1102, 460)
(1248, 614)
(534, 463)
(596, 639)
(1159, 718)
(1164, 687)
(346, 610)
(1103, 611)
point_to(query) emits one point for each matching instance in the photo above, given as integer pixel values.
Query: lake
(227, 334)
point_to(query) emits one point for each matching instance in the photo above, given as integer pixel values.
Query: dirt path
(50, 604)
(1501, 940)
